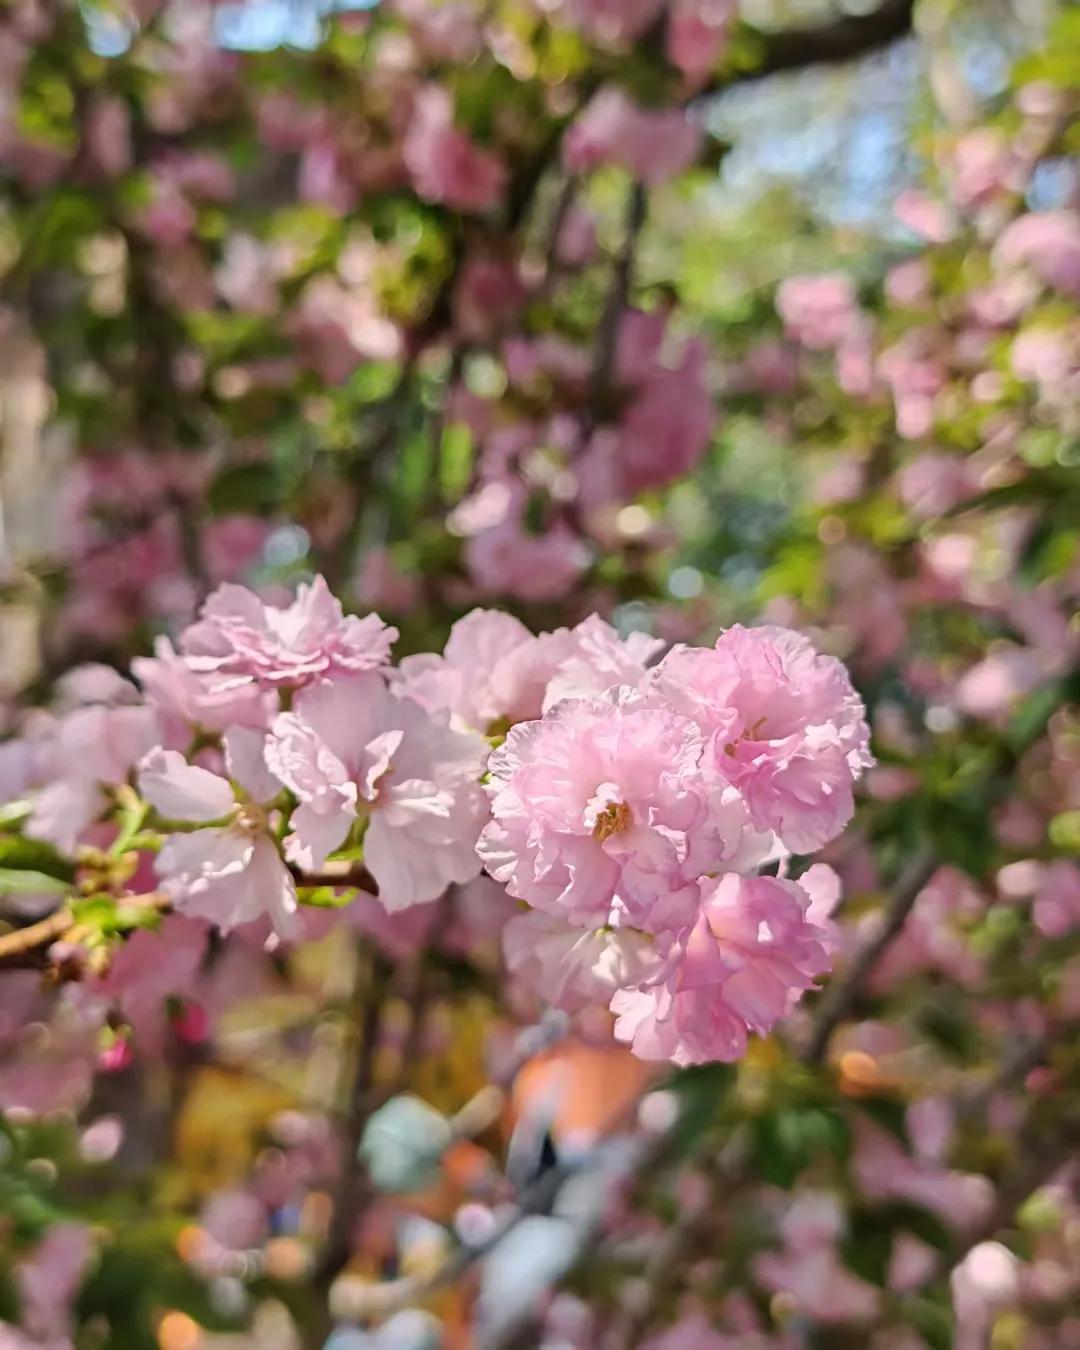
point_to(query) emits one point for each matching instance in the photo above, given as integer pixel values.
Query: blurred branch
(372, 987)
(833, 44)
(842, 994)
(607, 335)
(673, 1252)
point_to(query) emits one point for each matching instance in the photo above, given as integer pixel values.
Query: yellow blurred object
(218, 1127)
(457, 1071)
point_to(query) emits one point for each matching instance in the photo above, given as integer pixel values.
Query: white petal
(181, 791)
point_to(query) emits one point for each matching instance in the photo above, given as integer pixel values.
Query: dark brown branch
(831, 44)
(842, 993)
(372, 986)
(607, 336)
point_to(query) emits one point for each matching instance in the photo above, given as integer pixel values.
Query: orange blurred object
(584, 1091)
(177, 1331)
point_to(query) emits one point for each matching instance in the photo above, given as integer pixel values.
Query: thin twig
(842, 994)
(62, 923)
(25, 940)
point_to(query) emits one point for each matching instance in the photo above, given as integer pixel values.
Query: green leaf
(786, 1142)
(246, 487)
(702, 1091)
(13, 882)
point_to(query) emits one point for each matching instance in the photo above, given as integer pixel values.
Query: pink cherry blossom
(651, 146)
(785, 724)
(592, 658)
(238, 640)
(574, 968)
(229, 871)
(697, 35)
(748, 958)
(445, 165)
(924, 216)
(491, 668)
(507, 559)
(351, 749)
(611, 23)
(818, 311)
(1047, 242)
(602, 813)
(49, 1279)
(88, 749)
(1056, 910)
(185, 701)
(668, 426)
(150, 968)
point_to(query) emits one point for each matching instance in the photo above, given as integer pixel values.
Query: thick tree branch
(831, 44)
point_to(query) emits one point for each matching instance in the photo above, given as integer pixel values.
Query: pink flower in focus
(746, 961)
(491, 668)
(818, 311)
(652, 147)
(238, 640)
(445, 165)
(602, 814)
(351, 749)
(185, 701)
(593, 658)
(785, 727)
(229, 873)
(574, 968)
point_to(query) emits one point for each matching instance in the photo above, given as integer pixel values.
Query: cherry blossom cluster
(636, 821)
(632, 804)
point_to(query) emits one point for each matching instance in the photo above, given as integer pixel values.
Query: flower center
(251, 817)
(612, 819)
